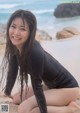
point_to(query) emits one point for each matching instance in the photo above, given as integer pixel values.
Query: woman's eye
(12, 26)
(22, 29)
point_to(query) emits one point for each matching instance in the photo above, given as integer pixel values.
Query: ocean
(43, 10)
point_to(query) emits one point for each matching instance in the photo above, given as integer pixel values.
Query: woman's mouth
(16, 38)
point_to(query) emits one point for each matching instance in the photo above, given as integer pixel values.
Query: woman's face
(18, 32)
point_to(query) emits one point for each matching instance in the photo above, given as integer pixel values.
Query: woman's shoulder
(37, 48)
(37, 51)
(37, 57)
(36, 44)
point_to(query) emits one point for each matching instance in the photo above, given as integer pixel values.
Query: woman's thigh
(27, 93)
(54, 97)
(61, 97)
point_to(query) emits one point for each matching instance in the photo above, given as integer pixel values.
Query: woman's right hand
(5, 98)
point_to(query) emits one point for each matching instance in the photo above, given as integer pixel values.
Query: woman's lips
(16, 38)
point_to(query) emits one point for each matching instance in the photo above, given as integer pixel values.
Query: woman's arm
(38, 91)
(11, 77)
(37, 65)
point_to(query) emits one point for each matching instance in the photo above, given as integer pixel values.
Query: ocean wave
(43, 11)
(7, 6)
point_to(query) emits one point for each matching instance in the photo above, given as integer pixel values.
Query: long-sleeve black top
(46, 68)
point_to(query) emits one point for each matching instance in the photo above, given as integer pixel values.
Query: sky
(1, 1)
(10, 1)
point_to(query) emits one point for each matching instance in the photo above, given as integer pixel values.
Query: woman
(55, 89)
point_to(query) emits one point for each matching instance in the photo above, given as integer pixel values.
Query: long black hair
(10, 51)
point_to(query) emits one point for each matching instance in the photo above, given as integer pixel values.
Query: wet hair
(30, 19)
(11, 51)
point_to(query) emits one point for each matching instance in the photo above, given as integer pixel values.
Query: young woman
(54, 89)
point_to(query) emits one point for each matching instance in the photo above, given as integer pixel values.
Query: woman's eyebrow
(13, 24)
(19, 26)
(23, 26)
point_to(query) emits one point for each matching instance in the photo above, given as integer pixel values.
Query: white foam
(7, 6)
(43, 11)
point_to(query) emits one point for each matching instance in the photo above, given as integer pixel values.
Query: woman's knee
(26, 106)
(23, 107)
(34, 110)
(16, 98)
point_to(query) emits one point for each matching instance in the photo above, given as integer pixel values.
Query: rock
(67, 10)
(67, 32)
(72, 30)
(42, 35)
(63, 34)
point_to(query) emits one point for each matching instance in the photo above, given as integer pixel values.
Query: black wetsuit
(46, 68)
(50, 70)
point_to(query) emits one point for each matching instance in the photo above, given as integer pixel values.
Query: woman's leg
(58, 101)
(71, 108)
(25, 95)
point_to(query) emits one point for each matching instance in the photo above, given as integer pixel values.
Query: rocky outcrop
(72, 30)
(67, 10)
(42, 35)
(67, 32)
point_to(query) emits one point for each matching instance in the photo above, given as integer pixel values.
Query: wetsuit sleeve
(37, 63)
(11, 77)
(37, 87)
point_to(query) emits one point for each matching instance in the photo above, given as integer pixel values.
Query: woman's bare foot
(74, 107)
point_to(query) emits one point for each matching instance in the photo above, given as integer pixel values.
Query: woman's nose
(17, 32)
